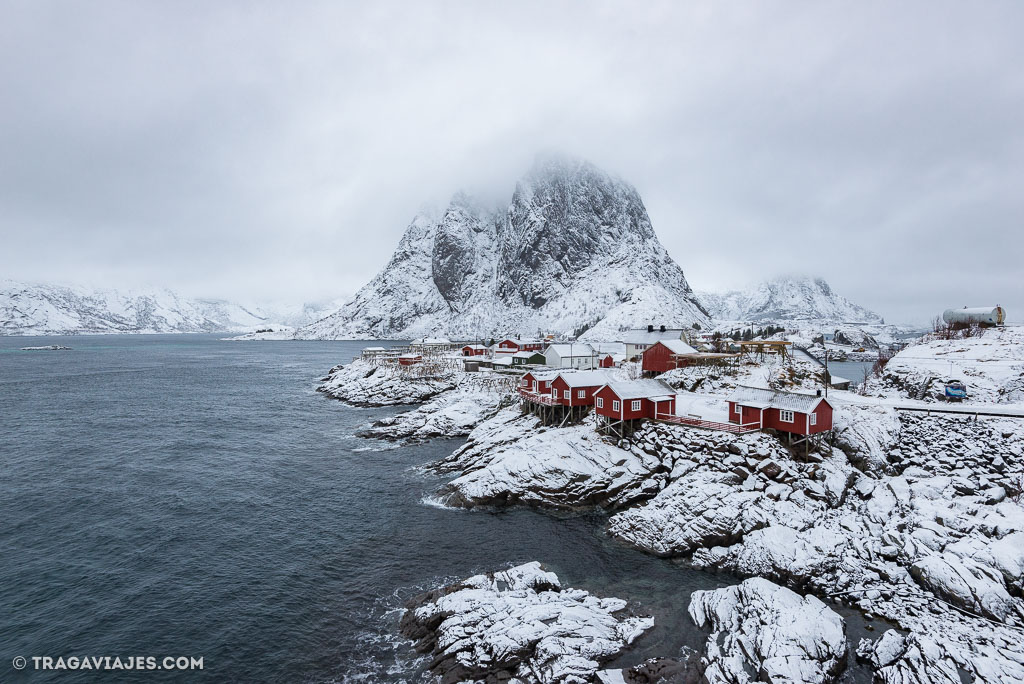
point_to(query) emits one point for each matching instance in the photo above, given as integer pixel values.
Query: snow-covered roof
(525, 354)
(586, 378)
(474, 346)
(759, 397)
(432, 341)
(374, 349)
(542, 375)
(678, 346)
(642, 389)
(411, 356)
(505, 361)
(641, 336)
(572, 350)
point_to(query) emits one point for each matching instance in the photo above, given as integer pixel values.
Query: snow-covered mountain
(39, 309)
(573, 251)
(787, 298)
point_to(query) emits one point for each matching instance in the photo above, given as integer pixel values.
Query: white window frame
(814, 419)
(783, 413)
(565, 394)
(615, 404)
(581, 394)
(600, 402)
(526, 383)
(635, 406)
(738, 410)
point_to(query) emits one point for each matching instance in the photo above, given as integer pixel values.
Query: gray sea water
(185, 496)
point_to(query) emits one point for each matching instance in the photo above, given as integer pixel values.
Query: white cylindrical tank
(984, 315)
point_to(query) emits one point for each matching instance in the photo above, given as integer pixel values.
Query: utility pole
(826, 367)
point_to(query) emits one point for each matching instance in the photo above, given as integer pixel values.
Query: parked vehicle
(955, 391)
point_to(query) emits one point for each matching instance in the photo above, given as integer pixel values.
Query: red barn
(792, 412)
(474, 350)
(660, 356)
(409, 359)
(635, 399)
(577, 388)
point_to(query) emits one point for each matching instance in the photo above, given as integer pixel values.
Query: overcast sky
(278, 150)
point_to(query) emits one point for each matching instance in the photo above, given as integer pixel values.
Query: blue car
(955, 391)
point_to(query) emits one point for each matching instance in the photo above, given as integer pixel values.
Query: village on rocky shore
(903, 506)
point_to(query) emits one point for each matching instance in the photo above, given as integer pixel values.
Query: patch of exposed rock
(519, 623)
(450, 414)
(763, 632)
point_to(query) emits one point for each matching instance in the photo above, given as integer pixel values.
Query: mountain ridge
(574, 252)
(786, 298)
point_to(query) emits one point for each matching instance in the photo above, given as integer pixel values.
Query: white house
(639, 339)
(574, 355)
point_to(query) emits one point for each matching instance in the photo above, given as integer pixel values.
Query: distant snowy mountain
(786, 299)
(38, 309)
(573, 251)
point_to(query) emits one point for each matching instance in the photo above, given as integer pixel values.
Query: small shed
(474, 350)
(410, 359)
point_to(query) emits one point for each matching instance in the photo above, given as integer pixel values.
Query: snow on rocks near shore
(453, 413)
(512, 458)
(760, 627)
(364, 383)
(519, 625)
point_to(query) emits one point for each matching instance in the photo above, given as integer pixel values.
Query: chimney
(650, 328)
(662, 329)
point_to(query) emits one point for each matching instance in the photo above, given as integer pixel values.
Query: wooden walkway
(537, 398)
(734, 428)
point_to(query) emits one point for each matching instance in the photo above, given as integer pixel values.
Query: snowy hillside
(573, 251)
(36, 309)
(787, 298)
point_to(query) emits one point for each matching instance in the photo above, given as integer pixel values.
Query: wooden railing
(734, 428)
(536, 397)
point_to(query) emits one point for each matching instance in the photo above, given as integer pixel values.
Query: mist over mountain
(573, 252)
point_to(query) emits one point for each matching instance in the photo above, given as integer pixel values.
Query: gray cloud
(279, 150)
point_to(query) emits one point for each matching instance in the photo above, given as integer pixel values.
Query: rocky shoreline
(912, 519)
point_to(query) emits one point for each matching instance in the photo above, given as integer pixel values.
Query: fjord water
(181, 495)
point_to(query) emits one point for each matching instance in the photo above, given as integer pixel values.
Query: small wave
(378, 447)
(436, 502)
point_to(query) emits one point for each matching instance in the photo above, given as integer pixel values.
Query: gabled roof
(642, 389)
(677, 346)
(567, 350)
(411, 356)
(641, 336)
(374, 349)
(759, 397)
(587, 378)
(526, 354)
(474, 346)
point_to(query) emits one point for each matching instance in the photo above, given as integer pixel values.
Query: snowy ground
(991, 365)
(931, 528)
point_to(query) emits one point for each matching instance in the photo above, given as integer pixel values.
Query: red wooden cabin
(793, 412)
(635, 399)
(538, 382)
(410, 359)
(577, 388)
(474, 350)
(660, 356)
(510, 346)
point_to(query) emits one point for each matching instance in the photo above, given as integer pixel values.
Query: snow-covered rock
(763, 632)
(786, 298)
(573, 251)
(453, 413)
(364, 383)
(512, 459)
(519, 625)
